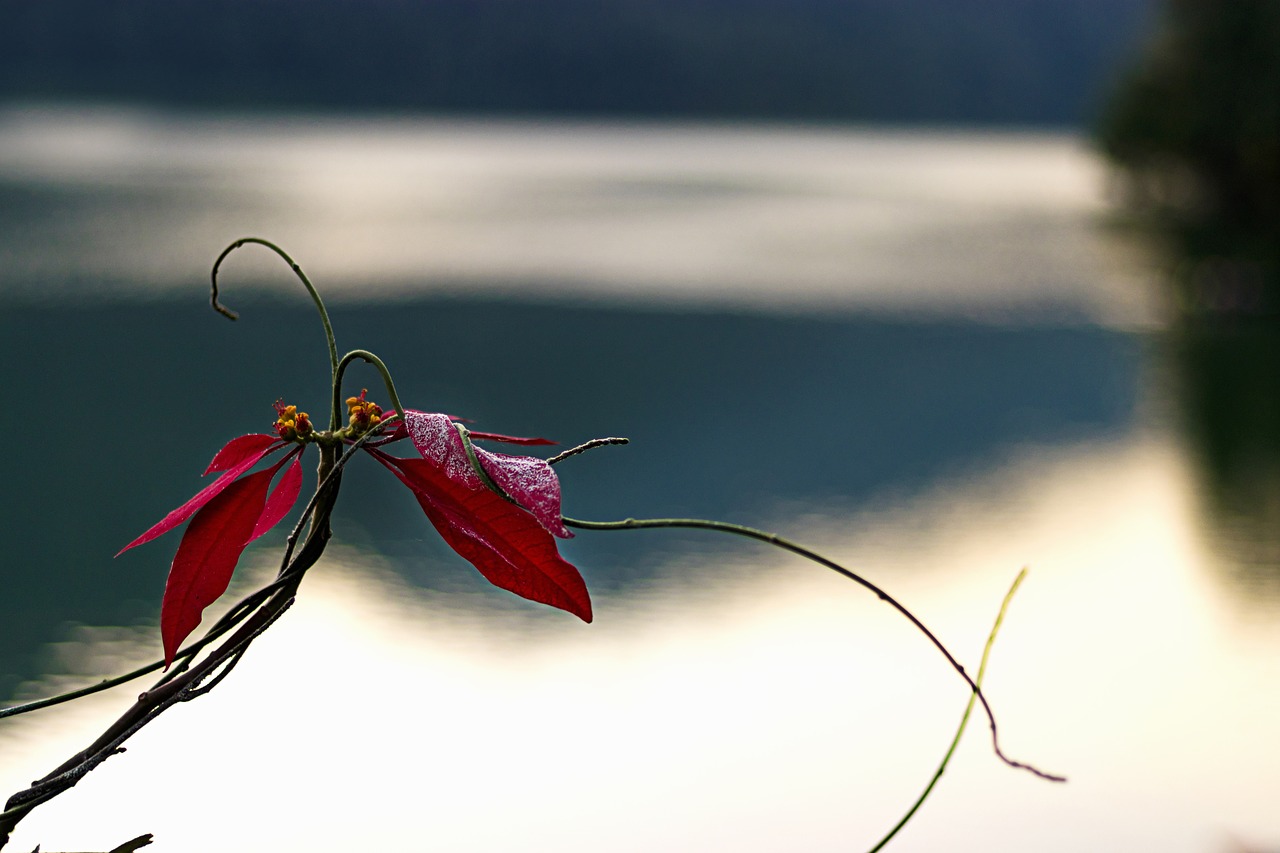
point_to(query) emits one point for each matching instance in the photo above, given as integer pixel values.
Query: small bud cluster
(291, 424)
(363, 415)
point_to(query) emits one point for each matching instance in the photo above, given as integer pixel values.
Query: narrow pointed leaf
(239, 449)
(512, 439)
(506, 544)
(207, 556)
(282, 498)
(202, 497)
(395, 433)
(531, 482)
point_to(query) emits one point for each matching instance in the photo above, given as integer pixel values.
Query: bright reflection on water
(783, 218)
(832, 385)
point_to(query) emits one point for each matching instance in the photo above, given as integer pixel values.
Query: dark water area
(730, 416)
(1003, 62)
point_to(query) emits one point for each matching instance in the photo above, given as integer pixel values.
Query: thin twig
(964, 720)
(225, 624)
(795, 548)
(327, 483)
(583, 448)
(133, 844)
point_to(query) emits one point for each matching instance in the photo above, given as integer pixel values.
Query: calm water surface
(918, 353)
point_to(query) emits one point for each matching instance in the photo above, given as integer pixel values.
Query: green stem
(369, 357)
(470, 449)
(329, 472)
(964, 720)
(306, 282)
(796, 548)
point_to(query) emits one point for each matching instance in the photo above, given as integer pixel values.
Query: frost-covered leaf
(531, 482)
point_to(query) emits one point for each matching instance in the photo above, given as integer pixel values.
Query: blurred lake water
(922, 353)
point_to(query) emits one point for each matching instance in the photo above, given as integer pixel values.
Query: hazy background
(924, 61)
(852, 271)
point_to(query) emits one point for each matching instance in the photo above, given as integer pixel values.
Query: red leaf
(531, 482)
(239, 449)
(504, 542)
(511, 439)
(283, 497)
(201, 497)
(207, 557)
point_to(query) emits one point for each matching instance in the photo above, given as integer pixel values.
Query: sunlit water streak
(788, 711)
(796, 219)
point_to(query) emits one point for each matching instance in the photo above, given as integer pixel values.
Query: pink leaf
(438, 442)
(531, 482)
(239, 449)
(202, 497)
(282, 498)
(207, 557)
(505, 543)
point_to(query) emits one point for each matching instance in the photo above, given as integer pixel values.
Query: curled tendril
(366, 356)
(306, 282)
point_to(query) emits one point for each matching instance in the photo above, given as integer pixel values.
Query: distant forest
(979, 62)
(1196, 127)
(1197, 122)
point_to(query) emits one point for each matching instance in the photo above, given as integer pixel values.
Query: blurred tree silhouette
(1227, 387)
(1196, 128)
